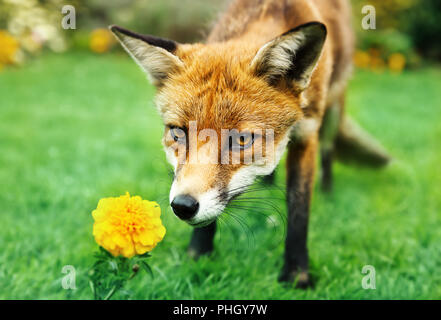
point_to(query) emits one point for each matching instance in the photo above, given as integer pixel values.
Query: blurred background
(77, 123)
(408, 31)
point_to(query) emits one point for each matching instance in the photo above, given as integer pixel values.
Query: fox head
(223, 103)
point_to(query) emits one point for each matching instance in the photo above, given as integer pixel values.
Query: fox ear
(154, 55)
(292, 56)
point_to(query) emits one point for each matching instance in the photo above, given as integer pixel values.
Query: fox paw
(300, 279)
(196, 253)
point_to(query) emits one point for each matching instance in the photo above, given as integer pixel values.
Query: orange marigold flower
(127, 226)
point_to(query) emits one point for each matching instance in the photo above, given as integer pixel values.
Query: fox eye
(178, 134)
(242, 141)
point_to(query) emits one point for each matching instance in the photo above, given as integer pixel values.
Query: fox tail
(354, 145)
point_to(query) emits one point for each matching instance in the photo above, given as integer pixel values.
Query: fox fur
(279, 64)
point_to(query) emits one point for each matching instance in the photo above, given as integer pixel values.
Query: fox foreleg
(202, 241)
(300, 179)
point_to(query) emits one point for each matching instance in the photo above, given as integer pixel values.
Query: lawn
(75, 128)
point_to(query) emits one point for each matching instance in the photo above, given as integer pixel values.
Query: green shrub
(423, 24)
(404, 26)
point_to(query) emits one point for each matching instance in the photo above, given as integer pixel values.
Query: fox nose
(185, 206)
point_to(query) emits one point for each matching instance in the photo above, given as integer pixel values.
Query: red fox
(277, 66)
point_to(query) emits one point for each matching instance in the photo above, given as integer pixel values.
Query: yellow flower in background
(127, 226)
(362, 59)
(375, 52)
(101, 40)
(377, 64)
(397, 62)
(8, 48)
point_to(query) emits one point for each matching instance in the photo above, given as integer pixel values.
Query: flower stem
(116, 288)
(111, 293)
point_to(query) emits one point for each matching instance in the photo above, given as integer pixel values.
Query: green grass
(76, 128)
